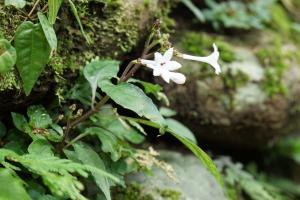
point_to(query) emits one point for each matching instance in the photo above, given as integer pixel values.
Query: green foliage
(8, 56)
(33, 54)
(48, 31)
(75, 12)
(15, 3)
(129, 96)
(12, 186)
(87, 155)
(198, 152)
(236, 14)
(97, 71)
(54, 6)
(238, 181)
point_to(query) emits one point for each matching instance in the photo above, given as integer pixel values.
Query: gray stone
(194, 181)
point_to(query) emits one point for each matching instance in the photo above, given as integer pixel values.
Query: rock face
(194, 181)
(114, 27)
(252, 102)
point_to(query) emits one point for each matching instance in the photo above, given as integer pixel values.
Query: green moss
(169, 194)
(9, 81)
(201, 44)
(276, 61)
(133, 191)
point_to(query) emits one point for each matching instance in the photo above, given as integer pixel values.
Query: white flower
(212, 59)
(163, 66)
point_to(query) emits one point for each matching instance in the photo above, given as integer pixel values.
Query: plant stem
(34, 7)
(131, 68)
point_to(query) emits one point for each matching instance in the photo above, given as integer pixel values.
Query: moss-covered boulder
(253, 101)
(114, 28)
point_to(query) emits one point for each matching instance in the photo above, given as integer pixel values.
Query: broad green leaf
(15, 3)
(100, 70)
(181, 130)
(109, 119)
(41, 147)
(75, 13)
(198, 152)
(38, 117)
(88, 156)
(54, 6)
(48, 31)
(11, 186)
(8, 56)
(109, 141)
(2, 129)
(33, 52)
(133, 98)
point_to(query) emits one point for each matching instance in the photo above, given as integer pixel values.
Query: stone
(194, 181)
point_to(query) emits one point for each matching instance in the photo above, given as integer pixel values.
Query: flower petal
(149, 63)
(212, 59)
(158, 58)
(178, 78)
(165, 75)
(157, 72)
(168, 54)
(172, 65)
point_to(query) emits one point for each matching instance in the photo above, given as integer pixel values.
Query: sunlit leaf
(54, 6)
(48, 31)
(15, 3)
(181, 130)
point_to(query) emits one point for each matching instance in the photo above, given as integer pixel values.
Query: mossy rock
(254, 99)
(115, 28)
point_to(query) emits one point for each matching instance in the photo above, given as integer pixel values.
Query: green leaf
(75, 13)
(109, 141)
(100, 70)
(181, 130)
(11, 187)
(41, 147)
(54, 6)
(33, 53)
(167, 112)
(15, 3)
(88, 156)
(48, 31)
(38, 117)
(20, 122)
(201, 155)
(2, 129)
(133, 98)
(108, 119)
(8, 56)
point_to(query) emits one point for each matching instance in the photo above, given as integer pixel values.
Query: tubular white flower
(212, 59)
(163, 66)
